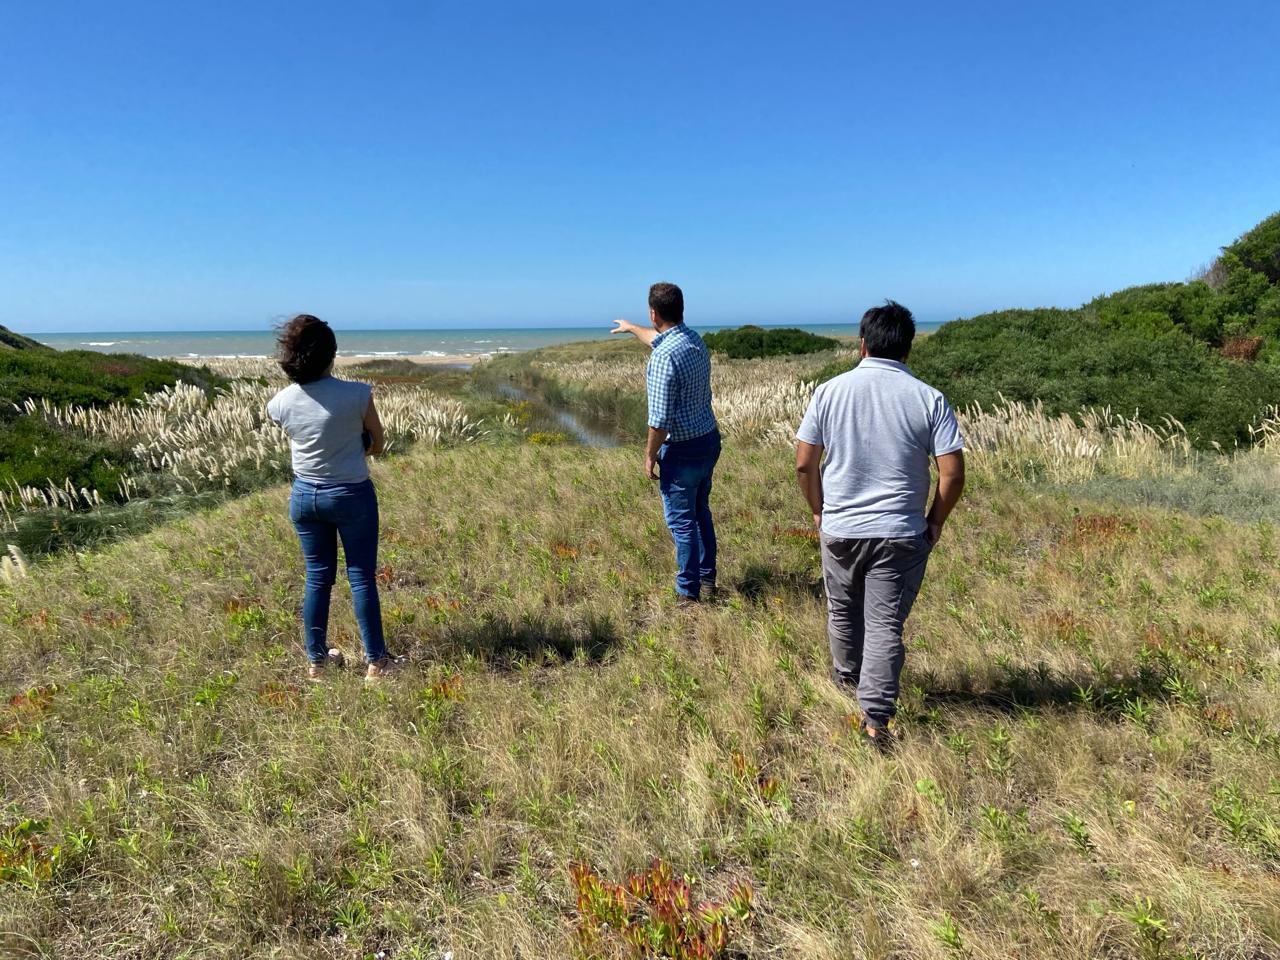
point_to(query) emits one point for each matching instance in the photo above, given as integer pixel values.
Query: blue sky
(204, 166)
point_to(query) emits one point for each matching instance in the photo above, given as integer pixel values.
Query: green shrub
(1158, 308)
(1243, 299)
(17, 341)
(749, 342)
(1259, 248)
(1153, 351)
(32, 451)
(1072, 359)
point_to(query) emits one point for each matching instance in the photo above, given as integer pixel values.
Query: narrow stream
(578, 427)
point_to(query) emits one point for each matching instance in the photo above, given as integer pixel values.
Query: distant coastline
(423, 345)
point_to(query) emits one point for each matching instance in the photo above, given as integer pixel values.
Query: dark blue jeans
(321, 513)
(685, 470)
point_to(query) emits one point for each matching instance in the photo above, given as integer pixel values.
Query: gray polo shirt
(878, 425)
(324, 420)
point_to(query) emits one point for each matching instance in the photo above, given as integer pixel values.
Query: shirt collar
(666, 333)
(883, 363)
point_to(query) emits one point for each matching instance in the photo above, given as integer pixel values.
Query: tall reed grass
(180, 439)
(764, 400)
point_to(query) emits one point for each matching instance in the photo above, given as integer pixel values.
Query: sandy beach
(426, 359)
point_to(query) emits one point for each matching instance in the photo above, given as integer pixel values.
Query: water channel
(585, 430)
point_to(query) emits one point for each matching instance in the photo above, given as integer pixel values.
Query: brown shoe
(685, 602)
(709, 591)
(383, 669)
(315, 672)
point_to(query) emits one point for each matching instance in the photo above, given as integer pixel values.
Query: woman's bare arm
(373, 424)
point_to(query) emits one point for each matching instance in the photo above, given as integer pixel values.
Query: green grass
(1088, 768)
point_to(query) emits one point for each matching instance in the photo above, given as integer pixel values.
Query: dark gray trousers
(871, 585)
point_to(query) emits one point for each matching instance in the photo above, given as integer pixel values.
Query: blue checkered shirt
(679, 382)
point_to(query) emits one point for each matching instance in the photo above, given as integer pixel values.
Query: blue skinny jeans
(684, 471)
(321, 513)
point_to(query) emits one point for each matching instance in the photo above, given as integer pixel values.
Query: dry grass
(764, 400)
(754, 399)
(1089, 765)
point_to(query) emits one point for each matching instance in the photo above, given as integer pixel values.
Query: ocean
(362, 343)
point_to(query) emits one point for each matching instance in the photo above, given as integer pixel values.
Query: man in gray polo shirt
(877, 426)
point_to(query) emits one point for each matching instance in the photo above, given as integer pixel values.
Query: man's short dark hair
(888, 331)
(667, 301)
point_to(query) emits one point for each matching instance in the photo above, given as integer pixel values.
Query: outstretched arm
(947, 495)
(809, 473)
(645, 335)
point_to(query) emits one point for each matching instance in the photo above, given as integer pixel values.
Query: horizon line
(852, 324)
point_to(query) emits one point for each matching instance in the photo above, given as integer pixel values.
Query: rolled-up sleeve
(660, 380)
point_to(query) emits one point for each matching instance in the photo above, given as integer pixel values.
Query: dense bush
(85, 377)
(1071, 359)
(1154, 309)
(749, 342)
(1181, 350)
(1239, 297)
(1259, 248)
(32, 451)
(17, 341)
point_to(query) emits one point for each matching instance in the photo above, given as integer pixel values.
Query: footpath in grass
(1088, 766)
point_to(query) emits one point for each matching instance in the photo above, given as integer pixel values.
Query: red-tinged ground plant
(274, 693)
(25, 708)
(23, 859)
(653, 914)
(749, 776)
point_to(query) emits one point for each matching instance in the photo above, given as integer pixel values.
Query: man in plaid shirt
(684, 441)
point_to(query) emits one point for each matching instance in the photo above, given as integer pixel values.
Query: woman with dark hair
(332, 426)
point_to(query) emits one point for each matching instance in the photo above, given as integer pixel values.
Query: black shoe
(880, 739)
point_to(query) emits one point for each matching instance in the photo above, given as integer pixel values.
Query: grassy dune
(1088, 768)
